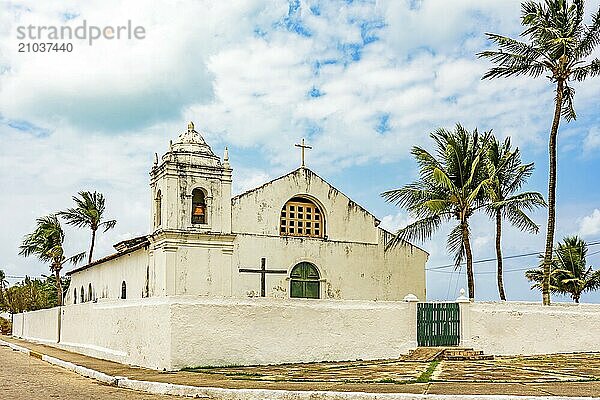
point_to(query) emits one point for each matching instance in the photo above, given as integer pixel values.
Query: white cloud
(393, 222)
(590, 224)
(591, 143)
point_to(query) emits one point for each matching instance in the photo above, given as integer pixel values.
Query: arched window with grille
(301, 216)
(123, 290)
(82, 295)
(305, 281)
(75, 296)
(198, 206)
(90, 298)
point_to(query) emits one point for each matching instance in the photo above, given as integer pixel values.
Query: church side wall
(259, 211)
(106, 278)
(212, 332)
(348, 271)
(530, 328)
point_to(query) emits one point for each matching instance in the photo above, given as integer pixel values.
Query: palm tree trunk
(59, 291)
(92, 246)
(499, 254)
(551, 194)
(467, 244)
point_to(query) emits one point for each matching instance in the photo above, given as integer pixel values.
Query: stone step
(447, 353)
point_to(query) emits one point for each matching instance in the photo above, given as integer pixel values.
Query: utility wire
(595, 243)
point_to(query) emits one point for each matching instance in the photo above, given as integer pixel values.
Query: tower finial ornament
(191, 127)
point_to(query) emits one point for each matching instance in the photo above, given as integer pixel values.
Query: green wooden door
(438, 324)
(304, 281)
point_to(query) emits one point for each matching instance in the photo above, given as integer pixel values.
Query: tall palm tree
(451, 186)
(507, 176)
(569, 272)
(46, 243)
(88, 211)
(559, 45)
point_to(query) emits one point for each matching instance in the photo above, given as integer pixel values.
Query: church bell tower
(191, 187)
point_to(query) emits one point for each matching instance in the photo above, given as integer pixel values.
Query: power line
(595, 243)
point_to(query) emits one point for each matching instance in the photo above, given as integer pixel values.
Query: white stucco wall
(17, 324)
(135, 332)
(41, 325)
(176, 332)
(185, 331)
(529, 328)
(259, 210)
(349, 271)
(267, 331)
(106, 278)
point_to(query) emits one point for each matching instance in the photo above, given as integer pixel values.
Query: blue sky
(362, 81)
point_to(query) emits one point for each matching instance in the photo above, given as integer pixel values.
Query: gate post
(412, 301)
(465, 319)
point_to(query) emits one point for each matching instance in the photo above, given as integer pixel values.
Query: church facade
(293, 237)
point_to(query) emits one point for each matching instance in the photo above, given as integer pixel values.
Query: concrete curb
(83, 371)
(257, 394)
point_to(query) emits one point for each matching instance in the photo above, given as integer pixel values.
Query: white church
(294, 237)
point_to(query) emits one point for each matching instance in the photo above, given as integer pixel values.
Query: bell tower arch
(193, 186)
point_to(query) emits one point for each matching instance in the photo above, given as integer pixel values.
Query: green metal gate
(438, 324)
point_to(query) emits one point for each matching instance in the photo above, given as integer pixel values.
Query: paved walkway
(27, 378)
(559, 375)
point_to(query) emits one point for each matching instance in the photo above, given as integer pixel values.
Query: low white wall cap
(411, 298)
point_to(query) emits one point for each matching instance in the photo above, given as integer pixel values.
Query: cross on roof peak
(302, 147)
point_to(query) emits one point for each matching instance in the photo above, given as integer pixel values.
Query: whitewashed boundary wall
(513, 328)
(40, 325)
(135, 332)
(176, 332)
(17, 324)
(267, 331)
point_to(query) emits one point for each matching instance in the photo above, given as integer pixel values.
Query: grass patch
(426, 375)
(204, 367)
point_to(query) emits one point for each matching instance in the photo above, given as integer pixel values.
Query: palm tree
(559, 46)
(451, 186)
(3, 281)
(3, 285)
(46, 242)
(88, 212)
(507, 176)
(569, 273)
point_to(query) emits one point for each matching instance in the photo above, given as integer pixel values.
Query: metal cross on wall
(303, 146)
(263, 271)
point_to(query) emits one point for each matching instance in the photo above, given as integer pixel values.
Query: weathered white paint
(17, 324)
(182, 258)
(106, 278)
(266, 331)
(135, 332)
(41, 325)
(176, 332)
(184, 331)
(512, 328)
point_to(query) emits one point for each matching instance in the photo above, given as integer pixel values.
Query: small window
(82, 295)
(147, 287)
(90, 298)
(123, 290)
(158, 209)
(75, 296)
(198, 207)
(299, 218)
(304, 281)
